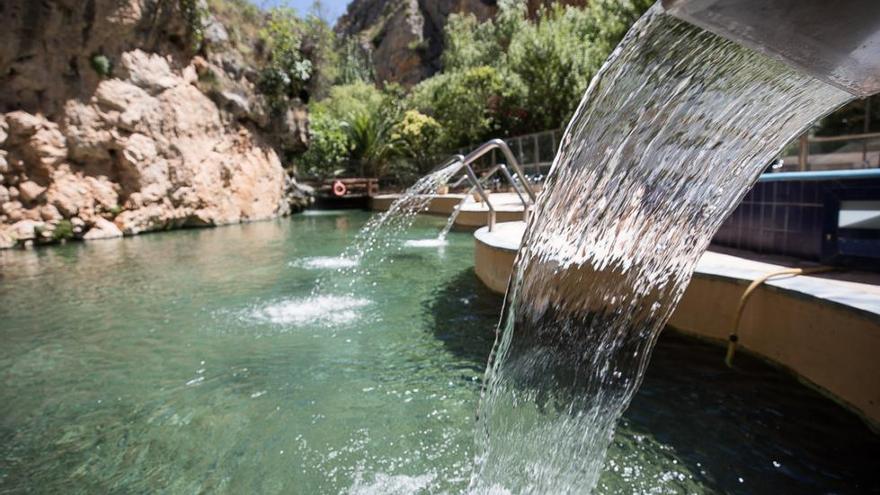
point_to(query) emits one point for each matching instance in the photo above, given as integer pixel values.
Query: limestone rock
(49, 213)
(37, 142)
(48, 46)
(13, 211)
(149, 71)
(104, 115)
(6, 239)
(25, 230)
(30, 191)
(103, 229)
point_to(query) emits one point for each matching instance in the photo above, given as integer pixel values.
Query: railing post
(537, 151)
(802, 154)
(476, 183)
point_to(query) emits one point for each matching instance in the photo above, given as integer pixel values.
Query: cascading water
(671, 133)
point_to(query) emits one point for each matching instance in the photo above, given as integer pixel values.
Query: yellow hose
(734, 337)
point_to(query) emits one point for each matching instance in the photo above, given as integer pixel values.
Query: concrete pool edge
(826, 332)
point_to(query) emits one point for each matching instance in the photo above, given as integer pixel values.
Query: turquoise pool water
(200, 361)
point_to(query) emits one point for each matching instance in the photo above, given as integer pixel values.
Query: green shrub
(288, 70)
(329, 148)
(541, 67)
(346, 100)
(471, 105)
(194, 14)
(63, 231)
(102, 65)
(417, 137)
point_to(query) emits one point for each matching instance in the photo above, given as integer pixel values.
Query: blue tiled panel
(787, 216)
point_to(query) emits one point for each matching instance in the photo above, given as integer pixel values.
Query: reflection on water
(138, 365)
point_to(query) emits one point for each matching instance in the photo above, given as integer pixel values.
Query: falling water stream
(450, 222)
(671, 133)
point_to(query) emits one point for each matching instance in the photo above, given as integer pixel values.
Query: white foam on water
(316, 310)
(322, 213)
(385, 484)
(426, 243)
(325, 263)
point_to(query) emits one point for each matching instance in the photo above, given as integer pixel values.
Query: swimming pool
(202, 360)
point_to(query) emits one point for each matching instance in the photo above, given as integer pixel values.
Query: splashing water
(325, 263)
(671, 133)
(334, 299)
(426, 243)
(317, 310)
(382, 234)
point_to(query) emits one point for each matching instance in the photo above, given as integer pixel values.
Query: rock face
(49, 47)
(144, 146)
(405, 37)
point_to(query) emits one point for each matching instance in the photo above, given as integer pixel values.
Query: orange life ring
(339, 189)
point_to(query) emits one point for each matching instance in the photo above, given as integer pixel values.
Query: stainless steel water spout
(837, 42)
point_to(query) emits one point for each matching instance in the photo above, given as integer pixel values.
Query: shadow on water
(752, 429)
(464, 314)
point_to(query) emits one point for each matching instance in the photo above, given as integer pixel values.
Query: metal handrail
(805, 141)
(465, 163)
(476, 184)
(501, 145)
(486, 175)
(492, 171)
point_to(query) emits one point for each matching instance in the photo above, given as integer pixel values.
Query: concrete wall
(834, 347)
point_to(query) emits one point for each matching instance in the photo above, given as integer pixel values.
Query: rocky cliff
(112, 124)
(405, 37)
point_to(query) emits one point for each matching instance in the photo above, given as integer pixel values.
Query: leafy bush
(329, 146)
(346, 100)
(288, 70)
(194, 14)
(541, 67)
(471, 105)
(63, 231)
(416, 137)
(102, 65)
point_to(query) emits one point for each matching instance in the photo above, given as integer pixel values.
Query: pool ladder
(477, 183)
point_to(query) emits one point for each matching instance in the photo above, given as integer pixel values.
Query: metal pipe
(451, 160)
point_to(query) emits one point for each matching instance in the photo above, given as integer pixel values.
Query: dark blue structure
(832, 217)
